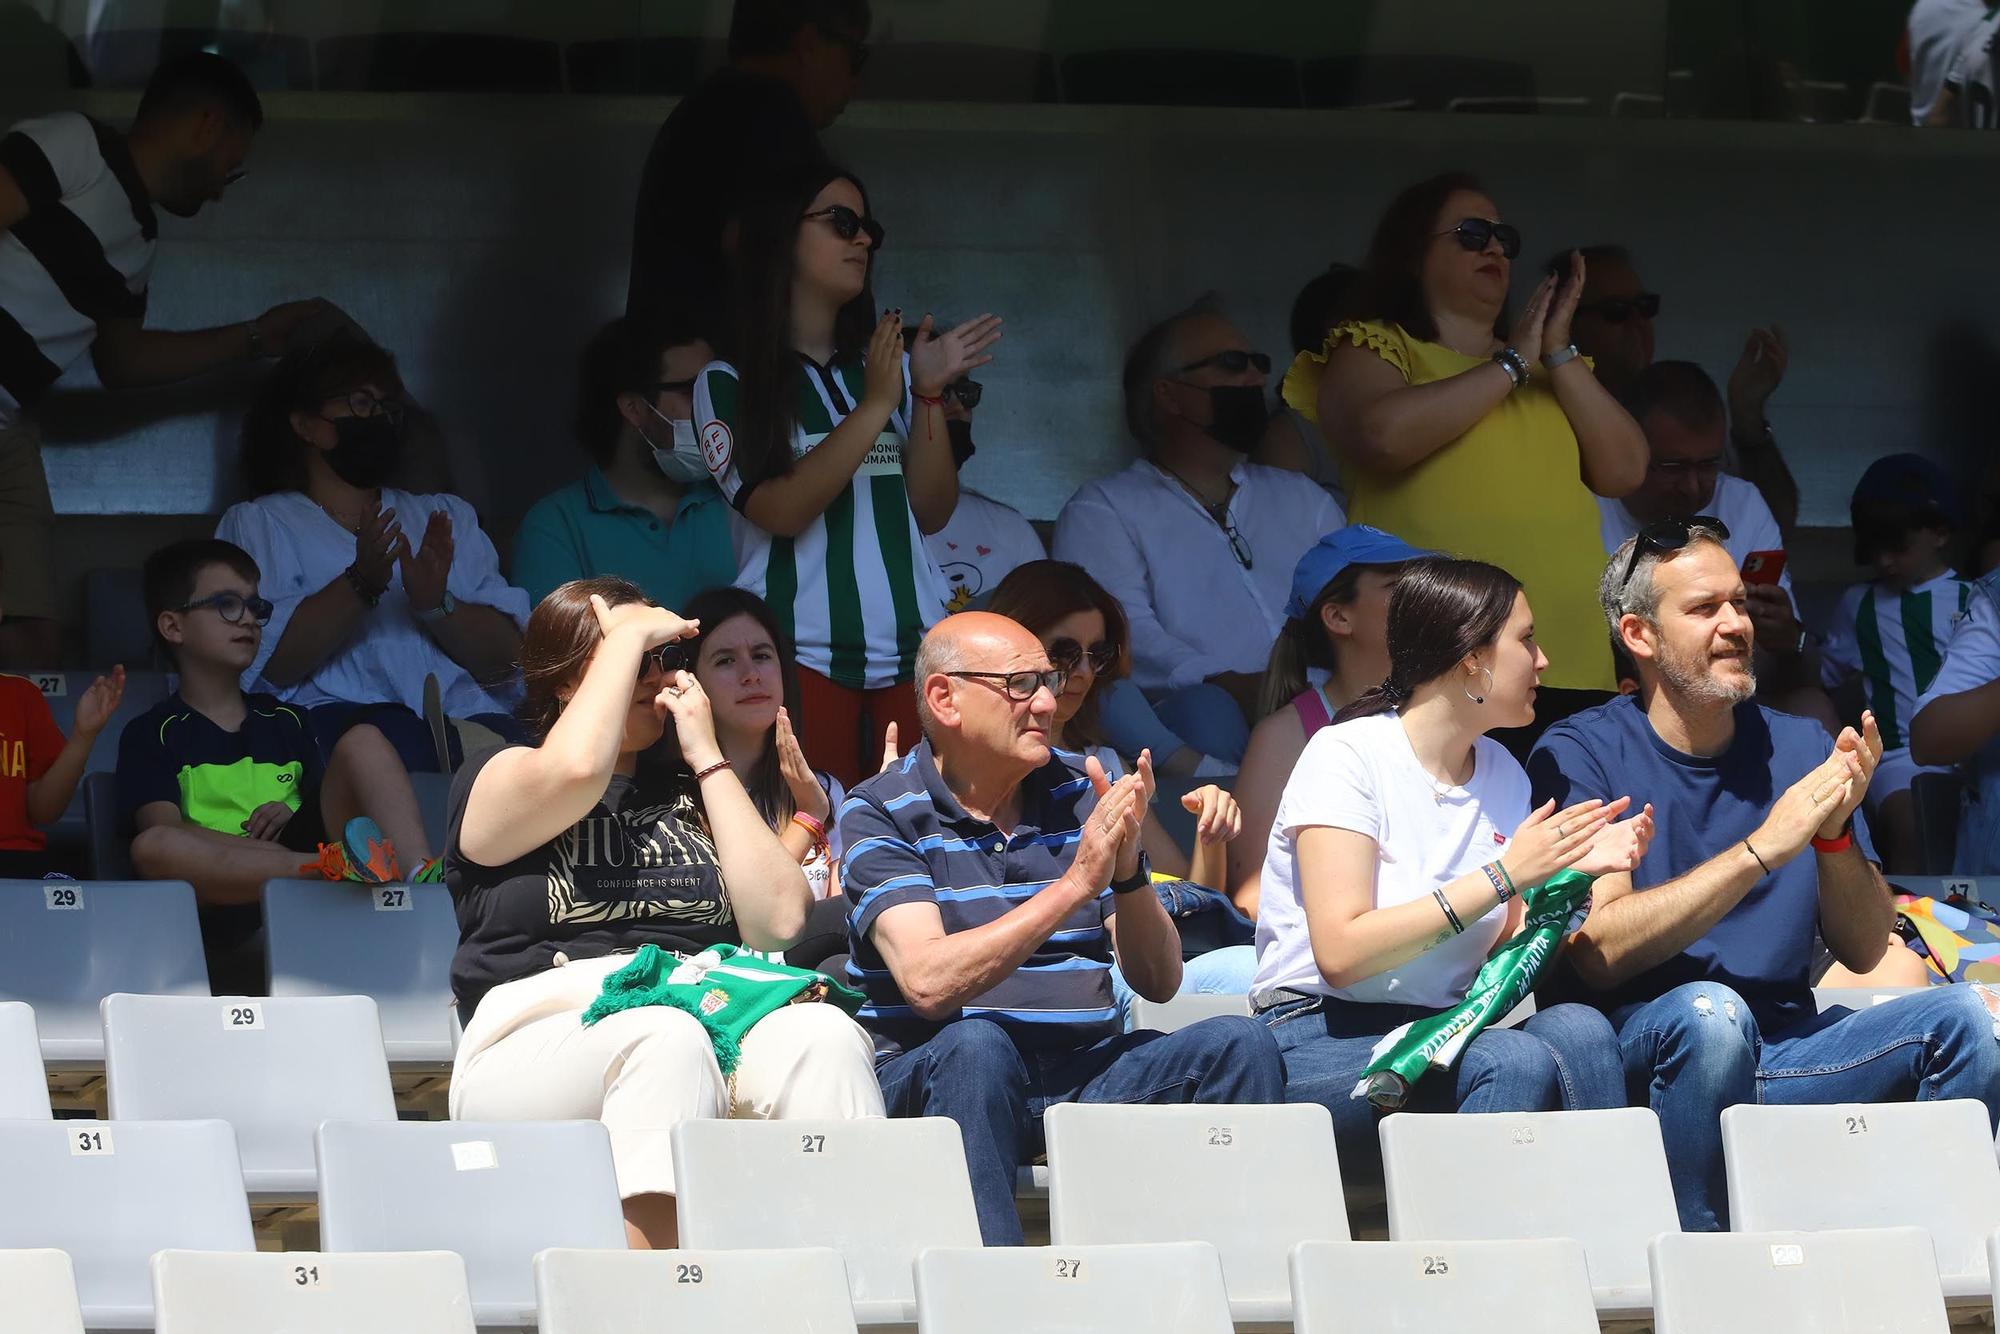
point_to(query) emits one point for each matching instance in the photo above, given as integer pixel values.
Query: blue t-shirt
(1702, 806)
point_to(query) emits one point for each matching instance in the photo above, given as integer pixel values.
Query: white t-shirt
(1736, 502)
(1364, 776)
(1937, 35)
(1971, 660)
(982, 545)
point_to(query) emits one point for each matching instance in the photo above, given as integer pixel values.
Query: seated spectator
(1704, 957)
(371, 588)
(1614, 327)
(1398, 846)
(1194, 540)
(989, 1007)
(226, 790)
(1293, 440)
(1891, 633)
(1953, 82)
(1957, 721)
(644, 510)
(831, 441)
(1455, 437)
(1334, 648)
(567, 856)
(1082, 629)
(984, 540)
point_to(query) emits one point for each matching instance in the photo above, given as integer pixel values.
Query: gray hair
(1640, 595)
(938, 655)
(1152, 360)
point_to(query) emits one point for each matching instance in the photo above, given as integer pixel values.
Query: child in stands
(226, 790)
(39, 769)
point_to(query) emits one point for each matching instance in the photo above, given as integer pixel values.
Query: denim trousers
(1224, 972)
(996, 1088)
(1563, 1058)
(1697, 1049)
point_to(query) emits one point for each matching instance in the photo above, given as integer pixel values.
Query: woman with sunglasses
(566, 856)
(1460, 433)
(373, 588)
(832, 443)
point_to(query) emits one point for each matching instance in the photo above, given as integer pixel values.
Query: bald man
(992, 882)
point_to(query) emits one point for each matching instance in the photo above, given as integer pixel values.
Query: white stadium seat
(1178, 1012)
(40, 1293)
(310, 1292)
(24, 1085)
(1411, 1287)
(1879, 1279)
(1168, 1288)
(800, 1291)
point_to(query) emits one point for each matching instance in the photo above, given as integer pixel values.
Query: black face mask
(961, 441)
(366, 449)
(1239, 416)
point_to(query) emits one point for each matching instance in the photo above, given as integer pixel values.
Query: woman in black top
(566, 856)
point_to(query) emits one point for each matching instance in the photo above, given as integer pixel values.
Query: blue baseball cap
(1356, 544)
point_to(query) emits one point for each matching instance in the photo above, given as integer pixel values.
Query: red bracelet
(1839, 844)
(937, 401)
(811, 824)
(715, 768)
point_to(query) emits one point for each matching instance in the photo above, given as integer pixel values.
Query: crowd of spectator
(1313, 700)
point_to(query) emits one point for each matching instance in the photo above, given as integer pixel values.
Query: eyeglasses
(1068, 655)
(1475, 234)
(847, 224)
(364, 404)
(1618, 309)
(659, 387)
(1233, 360)
(1674, 467)
(967, 392)
(1665, 535)
(1238, 547)
(231, 606)
(663, 658)
(1022, 686)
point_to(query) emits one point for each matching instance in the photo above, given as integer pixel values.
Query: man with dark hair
(77, 235)
(1614, 327)
(1196, 541)
(793, 67)
(645, 509)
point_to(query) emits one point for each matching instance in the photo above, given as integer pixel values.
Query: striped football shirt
(1896, 641)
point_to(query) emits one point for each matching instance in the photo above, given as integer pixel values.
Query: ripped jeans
(1697, 1050)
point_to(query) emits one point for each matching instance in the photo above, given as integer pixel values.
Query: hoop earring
(1479, 699)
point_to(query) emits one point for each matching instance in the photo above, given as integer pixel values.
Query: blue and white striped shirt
(908, 840)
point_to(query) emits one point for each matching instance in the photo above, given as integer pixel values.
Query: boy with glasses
(226, 790)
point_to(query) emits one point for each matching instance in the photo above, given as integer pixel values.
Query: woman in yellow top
(1453, 437)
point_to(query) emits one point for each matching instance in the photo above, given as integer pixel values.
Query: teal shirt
(585, 529)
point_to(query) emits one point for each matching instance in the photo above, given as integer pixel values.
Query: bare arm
(1390, 425)
(224, 869)
(320, 625)
(483, 640)
(787, 503)
(1952, 728)
(1275, 746)
(1856, 913)
(1611, 446)
(1147, 944)
(1352, 940)
(939, 971)
(130, 356)
(928, 470)
(48, 796)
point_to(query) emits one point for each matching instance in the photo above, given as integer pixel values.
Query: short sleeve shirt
(984, 542)
(585, 530)
(1895, 641)
(1972, 660)
(216, 778)
(857, 589)
(29, 744)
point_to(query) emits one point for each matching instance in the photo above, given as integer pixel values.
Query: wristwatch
(1560, 355)
(445, 607)
(1138, 880)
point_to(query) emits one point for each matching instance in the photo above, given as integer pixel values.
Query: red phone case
(1763, 567)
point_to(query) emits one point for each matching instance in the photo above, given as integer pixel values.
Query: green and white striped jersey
(857, 589)
(1896, 642)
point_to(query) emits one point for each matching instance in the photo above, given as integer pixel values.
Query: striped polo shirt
(908, 840)
(857, 589)
(81, 256)
(1896, 641)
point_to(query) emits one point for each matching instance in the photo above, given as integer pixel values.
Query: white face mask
(683, 462)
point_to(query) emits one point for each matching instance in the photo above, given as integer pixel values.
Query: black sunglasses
(665, 658)
(1068, 655)
(1475, 234)
(967, 392)
(231, 606)
(1235, 361)
(847, 224)
(1664, 535)
(1618, 309)
(1021, 686)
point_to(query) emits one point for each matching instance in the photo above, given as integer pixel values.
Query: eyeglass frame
(260, 608)
(1077, 653)
(1260, 360)
(355, 399)
(866, 223)
(1652, 540)
(1494, 232)
(668, 658)
(1053, 680)
(966, 391)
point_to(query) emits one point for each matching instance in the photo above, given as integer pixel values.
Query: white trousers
(528, 1057)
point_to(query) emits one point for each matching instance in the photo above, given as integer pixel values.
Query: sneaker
(430, 873)
(371, 858)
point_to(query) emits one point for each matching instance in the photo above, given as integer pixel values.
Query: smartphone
(1763, 567)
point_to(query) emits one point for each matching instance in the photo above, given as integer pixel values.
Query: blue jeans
(1203, 716)
(1564, 1058)
(1697, 1050)
(404, 727)
(996, 1089)
(1224, 972)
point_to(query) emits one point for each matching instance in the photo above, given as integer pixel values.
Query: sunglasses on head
(847, 224)
(663, 658)
(1618, 309)
(1235, 361)
(231, 606)
(1665, 535)
(1067, 655)
(1475, 234)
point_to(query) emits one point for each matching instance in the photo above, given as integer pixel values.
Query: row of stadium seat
(1744, 1283)
(1253, 1181)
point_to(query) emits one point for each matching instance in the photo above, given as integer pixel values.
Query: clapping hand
(1562, 308)
(1550, 840)
(427, 569)
(938, 359)
(379, 545)
(889, 752)
(1620, 847)
(1758, 373)
(99, 702)
(807, 795)
(1217, 817)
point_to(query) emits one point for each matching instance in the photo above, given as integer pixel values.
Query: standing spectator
(1467, 441)
(1194, 540)
(366, 602)
(984, 540)
(993, 885)
(566, 857)
(793, 66)
(644, 510)
(1294, 440)
(1334, 648)
(1891, 632)
(1958, 721)
(831, 441)
(77, 235)
(1614, 327)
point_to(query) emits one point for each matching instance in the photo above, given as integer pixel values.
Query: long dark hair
(1040, 593)
(1391, 287)
(272, 456)
(1441, 612)
(765, 782)
(757, 339)
(562, 633)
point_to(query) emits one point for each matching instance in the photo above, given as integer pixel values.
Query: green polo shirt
(585, 529)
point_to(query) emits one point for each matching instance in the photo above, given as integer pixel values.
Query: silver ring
(1562, 829)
